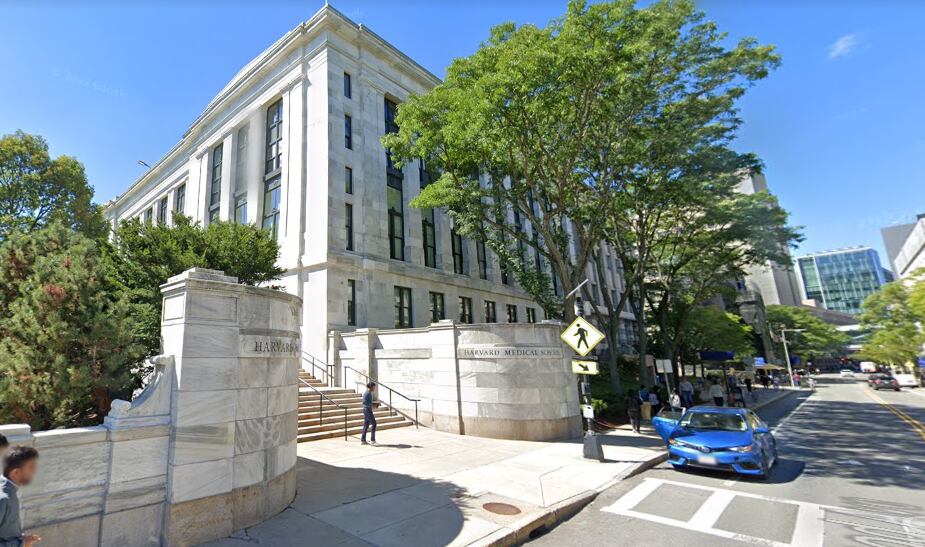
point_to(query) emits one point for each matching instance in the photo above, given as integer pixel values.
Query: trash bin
(646, 410)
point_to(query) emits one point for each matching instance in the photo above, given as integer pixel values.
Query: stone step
(311, 418)
(308, 437)
(329, 392)
(351, 424)
(344, 403)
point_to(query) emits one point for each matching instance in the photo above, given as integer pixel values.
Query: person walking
(633, 408)
(686, 390)
(369, 419)
(19, 469)
(675, 400)
(716, 393)
(654, 400)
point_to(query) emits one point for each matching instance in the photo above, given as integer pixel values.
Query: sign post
(582, 337)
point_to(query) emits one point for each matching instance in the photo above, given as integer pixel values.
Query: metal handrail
(321, 406)
(392, 410)
(327, 376)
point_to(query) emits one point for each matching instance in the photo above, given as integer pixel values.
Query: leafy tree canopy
(713, 329)
(818, 339)
(37, 190)
(66, 335)
(893, 319)
(145, 255)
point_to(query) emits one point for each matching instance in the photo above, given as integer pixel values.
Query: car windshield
(718, 421)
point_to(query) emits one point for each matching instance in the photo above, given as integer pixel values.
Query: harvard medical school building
(292, 144)
(841, 280)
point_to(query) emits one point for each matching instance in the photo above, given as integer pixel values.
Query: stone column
(233, 415)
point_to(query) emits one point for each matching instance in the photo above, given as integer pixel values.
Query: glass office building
(840, 280)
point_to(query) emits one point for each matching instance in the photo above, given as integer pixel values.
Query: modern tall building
(840, 280)
(905, 245)
(776, 283)
(292, 143)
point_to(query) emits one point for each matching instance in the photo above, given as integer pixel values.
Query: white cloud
(843, 46)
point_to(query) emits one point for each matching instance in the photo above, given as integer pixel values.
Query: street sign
(581, 336)
(587, 411)
(663, 366)
(584, 367)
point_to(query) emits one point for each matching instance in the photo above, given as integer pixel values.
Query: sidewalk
(426, 488)
(422, 487)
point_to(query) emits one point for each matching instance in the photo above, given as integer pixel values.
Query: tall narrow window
(149, 214)
(459, 265)
(348, 180)
(162, 210)
(348, 219)
(348, 132)
(491, 313)
(482, 258)
(396, 222)
(348, 85)
(511, 313)
(531, 315)
(402, 307)
(215, 188)
(272, 190)
(240, 208)
(465, 309)
(430, 238)
(179, 199)
(351, 302)
(505, 275)
(436, 307)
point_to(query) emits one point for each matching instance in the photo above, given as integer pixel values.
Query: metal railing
(392, 410)
(327, 371)
(321, 399)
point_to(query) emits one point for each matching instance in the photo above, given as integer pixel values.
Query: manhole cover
(501, 508)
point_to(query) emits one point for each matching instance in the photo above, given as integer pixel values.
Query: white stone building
(292, 143)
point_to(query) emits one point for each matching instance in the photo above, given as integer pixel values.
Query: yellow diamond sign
(581, 336)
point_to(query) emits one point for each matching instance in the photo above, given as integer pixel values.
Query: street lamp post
(783, 337)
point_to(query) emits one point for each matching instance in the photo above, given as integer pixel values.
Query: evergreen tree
(66, 344)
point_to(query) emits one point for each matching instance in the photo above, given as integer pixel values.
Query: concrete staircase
(327, 420)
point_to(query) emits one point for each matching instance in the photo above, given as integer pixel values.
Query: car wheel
(765, 467)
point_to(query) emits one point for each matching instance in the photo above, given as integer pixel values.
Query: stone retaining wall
(207, 448)
(499, 380)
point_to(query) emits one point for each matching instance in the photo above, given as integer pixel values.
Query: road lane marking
(712, 509)
(808, 531)
(916, 425)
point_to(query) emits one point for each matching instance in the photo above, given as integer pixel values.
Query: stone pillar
(233, 412)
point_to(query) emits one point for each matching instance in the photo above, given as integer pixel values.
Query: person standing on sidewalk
(19, 469)
(633, 408)
(716, 393)
(675, 400)
(369, 419)
(686, 391)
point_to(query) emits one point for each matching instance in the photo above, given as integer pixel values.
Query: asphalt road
(851, 471)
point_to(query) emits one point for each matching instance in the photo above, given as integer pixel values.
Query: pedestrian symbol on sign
(581, 336)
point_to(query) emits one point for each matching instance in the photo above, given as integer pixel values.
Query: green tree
(817, 339)
(582, 131)
(144, 256)
(713, 329)
(66, 335)
(37, 190)
(724, 233)
(893, 323)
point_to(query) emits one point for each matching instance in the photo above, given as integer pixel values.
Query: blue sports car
(725, 439)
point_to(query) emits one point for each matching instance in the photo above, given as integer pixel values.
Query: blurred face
(24, 475)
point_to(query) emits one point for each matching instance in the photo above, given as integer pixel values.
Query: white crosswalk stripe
(808, 530)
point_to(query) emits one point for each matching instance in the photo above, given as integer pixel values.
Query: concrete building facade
(776, 283)
(292, 144)
(905, 245)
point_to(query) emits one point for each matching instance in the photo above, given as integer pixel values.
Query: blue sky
(840, 126)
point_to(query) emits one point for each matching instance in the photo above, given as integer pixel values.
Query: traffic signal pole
(592, 442)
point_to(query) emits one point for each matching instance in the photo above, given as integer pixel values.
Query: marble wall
(500, 380)
(209, 447)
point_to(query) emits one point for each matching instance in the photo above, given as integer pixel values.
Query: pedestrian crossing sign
(584, 367)
(581, 336)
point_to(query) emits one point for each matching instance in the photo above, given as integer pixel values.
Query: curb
(521, 531)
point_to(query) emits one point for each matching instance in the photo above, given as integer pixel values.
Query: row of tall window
(179, 203)
(437, 302)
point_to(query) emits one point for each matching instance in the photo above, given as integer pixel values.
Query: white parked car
(846, 373)
(906, 380)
